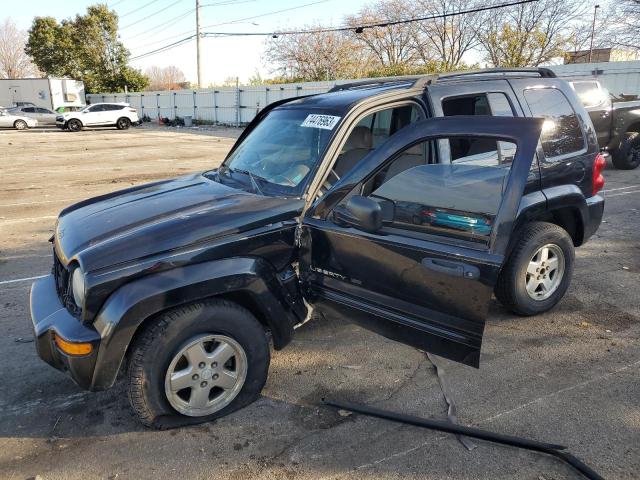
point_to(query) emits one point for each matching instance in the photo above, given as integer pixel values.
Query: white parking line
(17, 280)
(621, 188)
(622, 193)
(38, 203)
(30, 219)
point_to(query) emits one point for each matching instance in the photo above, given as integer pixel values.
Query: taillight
(598, 180)
(132, 110)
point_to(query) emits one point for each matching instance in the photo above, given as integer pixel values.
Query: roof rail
(372, 82)
(541, 71)
(412, 80)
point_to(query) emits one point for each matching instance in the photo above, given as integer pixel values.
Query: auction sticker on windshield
(326, 122)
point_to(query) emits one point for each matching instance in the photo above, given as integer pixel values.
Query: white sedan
(19, 122)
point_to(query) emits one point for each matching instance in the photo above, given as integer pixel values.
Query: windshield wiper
(252, 176)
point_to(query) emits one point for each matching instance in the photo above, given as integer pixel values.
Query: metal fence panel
(236, 106)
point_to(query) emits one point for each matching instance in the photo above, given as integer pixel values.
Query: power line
(191, 32)
(166, 47)
(265, 14)
(151, 15)
(178, 18)
(360, 27)
(138, 9)
(357, 28)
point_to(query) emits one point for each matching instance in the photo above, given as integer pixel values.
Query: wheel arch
(564, 206)
(250, 282)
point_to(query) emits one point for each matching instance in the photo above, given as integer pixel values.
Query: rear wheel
(197, 363)
(538, 270)
(20, 125)
(74, 125)
(627, 157)
(123, 123)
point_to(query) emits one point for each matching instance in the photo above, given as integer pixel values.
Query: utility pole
(593, 29)
(198, 51)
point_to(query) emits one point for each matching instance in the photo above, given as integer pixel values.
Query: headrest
(360, 137)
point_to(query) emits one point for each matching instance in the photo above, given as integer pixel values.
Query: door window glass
(561, 132)
(29, 110)
(460, 199)
(96, 108)
(474, 149)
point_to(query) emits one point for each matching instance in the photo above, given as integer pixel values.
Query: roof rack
(542, 72)
(420, 81)
(377, 82)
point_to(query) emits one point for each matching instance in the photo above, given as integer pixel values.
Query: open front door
(410, 242)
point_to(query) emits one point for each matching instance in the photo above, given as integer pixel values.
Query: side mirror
(360, 212)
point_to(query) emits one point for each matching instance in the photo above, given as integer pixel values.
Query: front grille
(63, 285)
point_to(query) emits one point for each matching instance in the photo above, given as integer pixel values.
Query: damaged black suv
(399, 204)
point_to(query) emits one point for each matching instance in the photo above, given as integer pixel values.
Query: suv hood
(159, 217)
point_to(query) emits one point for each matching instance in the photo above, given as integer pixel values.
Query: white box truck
(51, 93)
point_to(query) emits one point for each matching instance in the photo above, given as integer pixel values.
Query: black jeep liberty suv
(400, 204)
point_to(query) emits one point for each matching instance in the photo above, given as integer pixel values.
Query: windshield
(278, 156)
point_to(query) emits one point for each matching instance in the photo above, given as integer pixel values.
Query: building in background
(600, 55)
(51, 93)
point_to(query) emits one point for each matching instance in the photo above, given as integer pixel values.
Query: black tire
(20, 125)
(123, 123)
(155, 347)
(74, 125)
(627, 157)
(511, 289)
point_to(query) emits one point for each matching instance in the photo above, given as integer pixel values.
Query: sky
(146, 25)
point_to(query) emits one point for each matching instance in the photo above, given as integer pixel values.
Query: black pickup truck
(400, 204)
(617, 123)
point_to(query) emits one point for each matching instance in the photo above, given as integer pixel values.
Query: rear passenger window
(477, 150)
(561, 132)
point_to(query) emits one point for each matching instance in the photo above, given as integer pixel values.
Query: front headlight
(77, 287)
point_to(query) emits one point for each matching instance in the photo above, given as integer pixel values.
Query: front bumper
(50, 317)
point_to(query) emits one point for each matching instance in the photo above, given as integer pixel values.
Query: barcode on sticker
(326, 122)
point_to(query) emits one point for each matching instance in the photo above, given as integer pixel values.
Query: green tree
(86, 48)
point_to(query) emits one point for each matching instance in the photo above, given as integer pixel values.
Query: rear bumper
(595, 210)
(49, 317)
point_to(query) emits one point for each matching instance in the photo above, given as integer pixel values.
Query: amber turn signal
(71, 348)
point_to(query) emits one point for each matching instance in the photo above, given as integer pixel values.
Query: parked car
(119, 115)
(19, 122)
(44, 116)
(178, 282)
(617, 123)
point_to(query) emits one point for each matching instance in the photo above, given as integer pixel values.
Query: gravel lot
(570, 376)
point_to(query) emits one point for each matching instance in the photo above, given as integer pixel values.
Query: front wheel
(197, 363)
(20, 125)
(74, 125)
(627, 157)
(123, 123)
(538, 271)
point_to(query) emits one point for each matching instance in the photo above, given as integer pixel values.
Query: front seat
(355, 149)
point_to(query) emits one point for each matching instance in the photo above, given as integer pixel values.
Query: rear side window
(561, 132)
(469, 150)
(109, 108)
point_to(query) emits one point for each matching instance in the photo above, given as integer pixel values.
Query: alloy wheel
(545, 272)
(205, 375)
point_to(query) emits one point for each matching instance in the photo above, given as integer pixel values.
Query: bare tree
(316, 56)
(625, 23)
(529, 34)
(446, 40)
(14, 62)
(390, 45)
(165, 78)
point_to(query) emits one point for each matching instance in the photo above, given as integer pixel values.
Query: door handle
(456, 269)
